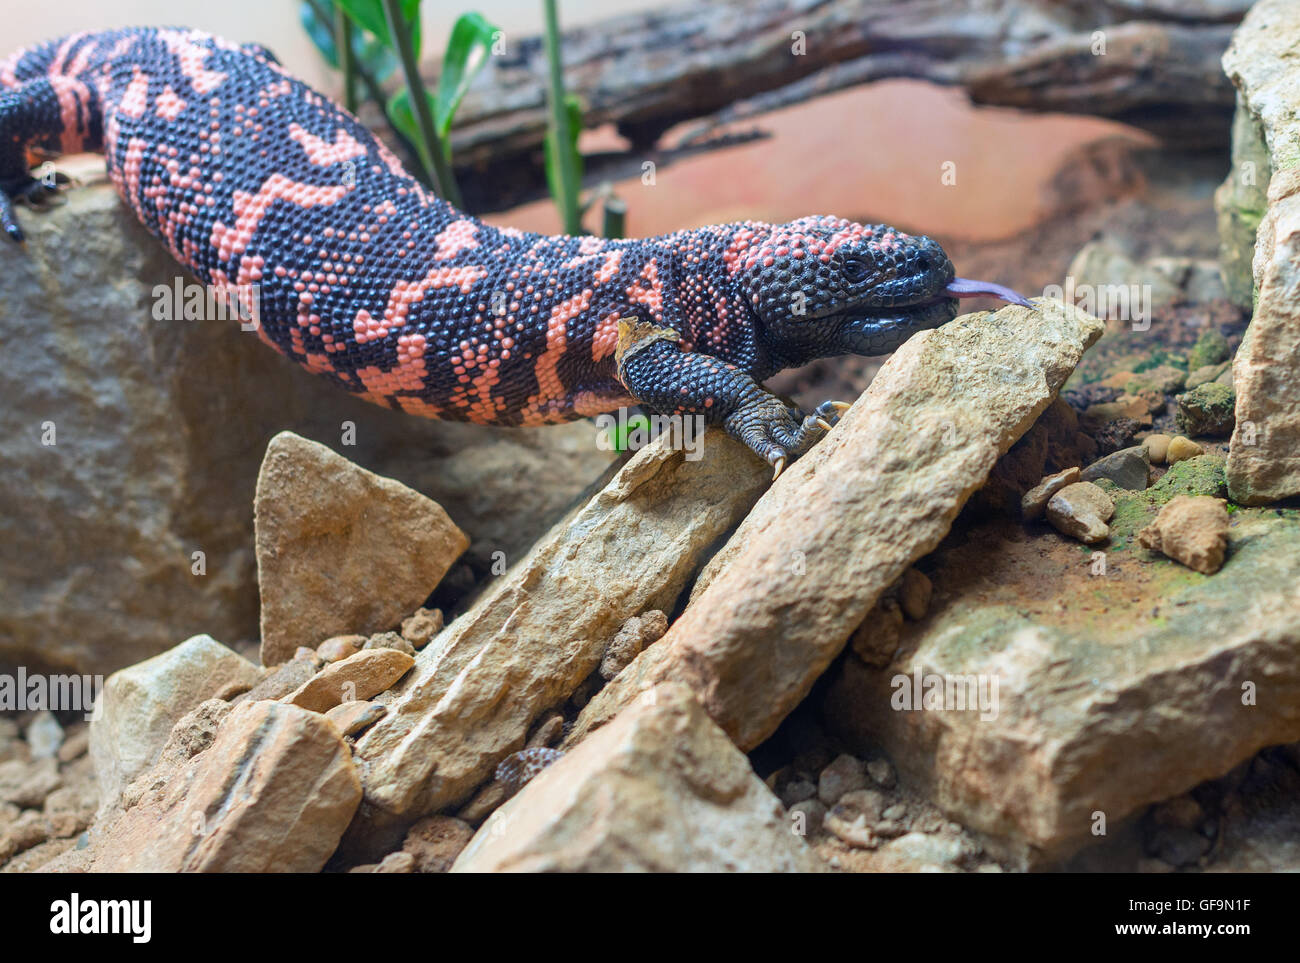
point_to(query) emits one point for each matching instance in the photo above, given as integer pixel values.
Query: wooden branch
(648, 71)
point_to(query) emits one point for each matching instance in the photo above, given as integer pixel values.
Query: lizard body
(256, 182)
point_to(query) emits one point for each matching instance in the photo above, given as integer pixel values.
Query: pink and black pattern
(250, 177)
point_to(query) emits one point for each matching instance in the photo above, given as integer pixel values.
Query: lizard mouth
(956, 288)
(877, 330)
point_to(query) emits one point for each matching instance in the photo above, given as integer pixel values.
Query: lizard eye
(856, 269)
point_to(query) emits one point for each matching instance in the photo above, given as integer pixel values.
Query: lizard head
(824, 286)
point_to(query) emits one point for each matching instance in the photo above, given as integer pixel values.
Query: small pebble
(351, 717)
(1157, 447)
(547, 732)
(914, 596)
(340, 647)
(419, 628)
(851, 827)
(1191, 529)
(797, 792)
(882, 772)
(869, 802)
(844, 774)
(1034, 503)
(44, 736)
(1181, 448)
(1127, 468)
(389, 640)
(814, 815)
(1081, 511)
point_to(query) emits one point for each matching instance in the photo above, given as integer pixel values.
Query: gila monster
(255, 181)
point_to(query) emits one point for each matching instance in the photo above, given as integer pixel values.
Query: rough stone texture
(351, 717)
(160, 429)
(1264, 458)
(1099, 697)
(273, 793)
(636, 633)
(1127, 468)
(781, 599)
(1206, 411)
(284, 678)
(1239, 205)
(360, 676)
(543, 627)
(435, 841)
(340, 549)
(340, 647)
(1081, 511)
(1190, 529)
(1034, 502)
(140, 704)
(422, 626)
(660, 789)
(914, 593)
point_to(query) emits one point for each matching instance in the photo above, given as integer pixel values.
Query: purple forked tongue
(966, 288)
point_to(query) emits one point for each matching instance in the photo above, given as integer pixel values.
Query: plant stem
(615, 217)
(561, 136)
(347, 59)
(373, 92)
(429, 145)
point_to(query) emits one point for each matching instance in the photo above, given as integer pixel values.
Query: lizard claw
(779, 462)
(35, 190)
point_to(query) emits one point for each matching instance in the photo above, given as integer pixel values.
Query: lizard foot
(36, 190)
(780, 434)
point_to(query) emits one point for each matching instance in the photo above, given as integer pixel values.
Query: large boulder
(1045, 699)
(1264, 459)
(158, 429)
(661, 789)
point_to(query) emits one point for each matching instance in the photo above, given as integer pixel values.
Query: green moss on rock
(1202, 475)
(1164, 378)
(1210, 348)
(1207, 410)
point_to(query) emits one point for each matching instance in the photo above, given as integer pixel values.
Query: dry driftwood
(726, 60)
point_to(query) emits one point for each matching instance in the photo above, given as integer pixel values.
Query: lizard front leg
(656, 371)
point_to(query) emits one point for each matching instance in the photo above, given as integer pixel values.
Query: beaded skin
(257, 183)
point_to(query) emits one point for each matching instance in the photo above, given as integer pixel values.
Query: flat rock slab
(780, 600)
(1083, 692)
(661, 789)
(360, 676)
(273, 793)
(543, 628)
(1264, 458)
(340, 549)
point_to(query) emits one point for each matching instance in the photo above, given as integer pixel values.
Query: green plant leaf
(320, 33)
(369, 16)
(572, 107)
(369, 51)
(467, 53)
(619, 434)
